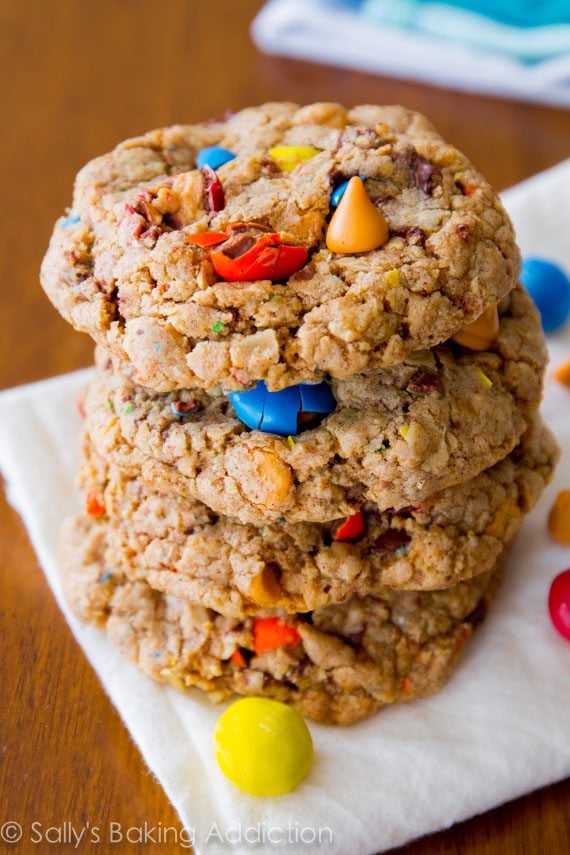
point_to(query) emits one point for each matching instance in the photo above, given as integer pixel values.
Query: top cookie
(125, 267)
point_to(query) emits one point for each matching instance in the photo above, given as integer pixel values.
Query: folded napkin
(498, 730)
(427, 41)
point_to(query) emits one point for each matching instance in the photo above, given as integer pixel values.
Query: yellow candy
(288, 157)
(357, 225)
(481, 334)
(264, 747)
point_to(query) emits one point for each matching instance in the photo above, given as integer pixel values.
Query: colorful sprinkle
(213, 156)
(70, 220)
(290, 442)
(104, 578)
(404, 431)
(109, 405)
(217, 327)
(383, 448)
(156, 347)
(486, 381)
(128, 408)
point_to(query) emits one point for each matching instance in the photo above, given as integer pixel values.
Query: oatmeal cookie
(182, 548)
(397, 436)
(123, 265)
(337, 664)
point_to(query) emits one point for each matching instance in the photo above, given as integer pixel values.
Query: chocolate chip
(303, 274)
(423, 383)
(424, 174)
(391, 541)
(236, 246)
(413, 234)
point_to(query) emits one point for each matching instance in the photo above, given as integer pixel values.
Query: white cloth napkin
(498, 730)
(324, 31)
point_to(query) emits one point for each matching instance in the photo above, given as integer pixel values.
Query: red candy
(94, 504)
(351, 529)
(559, 604)
(257, 254)
(237, 658)
(269, 633)
(268, 258)
(214, 190)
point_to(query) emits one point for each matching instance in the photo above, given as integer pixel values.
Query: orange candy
(481, 334)
(562, 373)
(357, 225)
(559, 519)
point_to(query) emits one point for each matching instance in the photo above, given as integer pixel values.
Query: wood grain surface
(77, 77)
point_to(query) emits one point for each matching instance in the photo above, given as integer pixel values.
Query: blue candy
(339, 191)
(70, 220)
(214, 156)
(277, 412)
(549, 287)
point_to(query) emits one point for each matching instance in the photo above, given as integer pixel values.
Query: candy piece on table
(263, 747)
(559, 519)
(214, 156)
(351, 528)
(356, 225)
(268, 258)
(559, 604)
(480, 334)
(269, 633)
(288, 157)
(562, 373)
(280, 412)
(549, 287)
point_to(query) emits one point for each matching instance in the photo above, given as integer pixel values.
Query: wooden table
(79, 77)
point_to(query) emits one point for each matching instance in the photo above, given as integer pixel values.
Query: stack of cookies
(312, 432)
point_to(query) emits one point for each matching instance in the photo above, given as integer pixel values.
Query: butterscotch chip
(120, 265)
